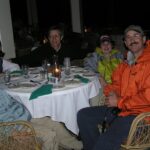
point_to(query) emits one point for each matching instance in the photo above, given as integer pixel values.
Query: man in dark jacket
(54, 46)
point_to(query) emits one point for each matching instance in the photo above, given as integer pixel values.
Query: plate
(73, 81)
(22, 85)
(89, 74)
(16, 73)
(34, 72)
(58, 86)
(74, 67)
(15, 78)
(77, 70)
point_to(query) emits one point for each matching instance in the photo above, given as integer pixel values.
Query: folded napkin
(43, 90)
(82, 79)
(16, 72)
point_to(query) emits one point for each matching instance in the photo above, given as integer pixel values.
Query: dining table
(61, 101)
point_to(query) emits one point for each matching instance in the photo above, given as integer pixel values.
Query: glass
(7, 77)
(56, 70)
(25, 70)
(42, 74)
(67, 65)
(67, 62)
(44, 64)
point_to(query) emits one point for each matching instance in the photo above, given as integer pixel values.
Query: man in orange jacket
(126, 97)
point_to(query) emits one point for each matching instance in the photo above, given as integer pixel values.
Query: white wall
(6, 31)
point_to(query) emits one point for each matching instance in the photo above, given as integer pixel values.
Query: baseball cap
(134, 28)
(105, 38)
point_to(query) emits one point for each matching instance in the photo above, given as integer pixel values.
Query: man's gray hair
(136, 28)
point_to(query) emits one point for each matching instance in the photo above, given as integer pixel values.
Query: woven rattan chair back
(139, 134)
(18, 135)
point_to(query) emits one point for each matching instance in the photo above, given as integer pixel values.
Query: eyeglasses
(135, 36)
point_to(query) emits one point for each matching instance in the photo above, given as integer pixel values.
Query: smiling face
(55, 39)
(106, 47)
(135, 42)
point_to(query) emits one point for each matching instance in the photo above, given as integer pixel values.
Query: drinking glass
(45, 64)
(42, 74)
(67, 62)
(67, 65)
(25, 69)
(7, 77)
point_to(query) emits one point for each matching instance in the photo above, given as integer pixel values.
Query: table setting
(59, 97)
(33, 79)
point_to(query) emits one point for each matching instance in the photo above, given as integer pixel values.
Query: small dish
(27, 84)
(58, 86)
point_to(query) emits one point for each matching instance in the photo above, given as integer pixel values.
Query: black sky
(96, 13)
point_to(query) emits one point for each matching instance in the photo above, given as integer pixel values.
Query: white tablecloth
(61, 105)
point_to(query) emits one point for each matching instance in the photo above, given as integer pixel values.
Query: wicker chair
(18, 135)
(139, 134)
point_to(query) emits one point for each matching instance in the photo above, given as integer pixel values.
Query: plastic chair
(139, 134)
(18, 135)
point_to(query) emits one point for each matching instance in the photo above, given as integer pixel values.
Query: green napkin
(43, 90)
(82, 79)
(16, 72)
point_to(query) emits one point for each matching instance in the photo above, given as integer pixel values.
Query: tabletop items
(34, 80)
(59, 99)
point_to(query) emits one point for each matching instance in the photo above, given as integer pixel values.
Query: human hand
(111, 99)
(102, 81)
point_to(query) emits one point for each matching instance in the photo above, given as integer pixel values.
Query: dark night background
(96, 13)
(99, 16)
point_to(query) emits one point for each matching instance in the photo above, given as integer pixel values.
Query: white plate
(15, 78)
(89, 74)
(73, 81)
(58, 86)
(22, 85)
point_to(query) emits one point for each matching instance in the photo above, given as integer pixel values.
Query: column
(76, 16)
(32, 13)
(6, 31)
